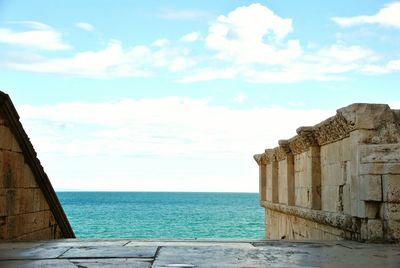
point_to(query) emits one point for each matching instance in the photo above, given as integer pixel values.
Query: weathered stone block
(366, 115)
(6, 138)
(42, 234)
(40, 201)
(330, 198)
(331, 174)
(262, 182)
(3, 202)
(392, 230)
(379, 153)
(372, 209)
(12, 169)
(282, 182)
(391, 211)
(3, 227)
(375, 230)
(379, 168)
(331, 153)
(15, 146)
(26, 200)
(346, 150)
(371, 188)
(303, 197)
(391, 188)
(29, 180)
(346, 199)
(27, 223)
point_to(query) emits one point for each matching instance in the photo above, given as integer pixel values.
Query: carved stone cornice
(270, 155)
(333, 129)
(283, 150)
(261, 159)
(373, 117)
(305, 139)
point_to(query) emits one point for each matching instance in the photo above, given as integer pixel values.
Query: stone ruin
(29, 207)
(339, 179)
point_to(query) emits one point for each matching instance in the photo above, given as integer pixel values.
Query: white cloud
(40, 36)
(207, 74)
(142, 144)
(161, 42)
(252, 34)
(184, 14)
(394, 65)
(390, 67)
(250, 43)
(112, 61)
(85, 26)
(191, 37)
(323, 64)
(240, 98)
(387, 16)
(165, 126)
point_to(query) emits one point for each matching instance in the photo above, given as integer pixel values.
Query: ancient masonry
(339, 179)
(29, 208)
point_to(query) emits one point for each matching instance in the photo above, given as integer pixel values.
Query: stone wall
(26, 211)
(339, 179)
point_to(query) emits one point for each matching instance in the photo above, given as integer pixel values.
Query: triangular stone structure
(29, 207)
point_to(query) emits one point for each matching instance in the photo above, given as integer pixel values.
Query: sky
(179, 95)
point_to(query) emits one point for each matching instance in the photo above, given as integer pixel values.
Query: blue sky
(178, 95)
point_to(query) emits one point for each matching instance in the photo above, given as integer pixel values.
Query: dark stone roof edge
(30, 155)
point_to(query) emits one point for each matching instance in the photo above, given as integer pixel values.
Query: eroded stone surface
(31, 253)
(38, 264)
(110, 252)
(111, 263)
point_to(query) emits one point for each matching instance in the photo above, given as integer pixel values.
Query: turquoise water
(163, 215)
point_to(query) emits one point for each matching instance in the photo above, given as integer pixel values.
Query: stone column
(305, 143)
(262, 171)
(286, 172)
(272, 176)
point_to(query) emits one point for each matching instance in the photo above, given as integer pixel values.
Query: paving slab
(188, 244)
(110, 263)
(16, 245)
(50, 263)
(36, 252)
(85, 243)
(309, 255)
(110, 252)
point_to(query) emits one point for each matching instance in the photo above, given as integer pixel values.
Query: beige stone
(282, 182)
(263, 182)
(390, 211)
(392, 230)
(366, 116)
(375, 230)
(371, 188)
(380, 153)
(330, 198)
(391, 188)
(372, 209)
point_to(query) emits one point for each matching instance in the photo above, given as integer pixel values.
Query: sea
(164, 215)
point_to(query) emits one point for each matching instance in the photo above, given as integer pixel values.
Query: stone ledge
(337, 220)
(357, 116)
